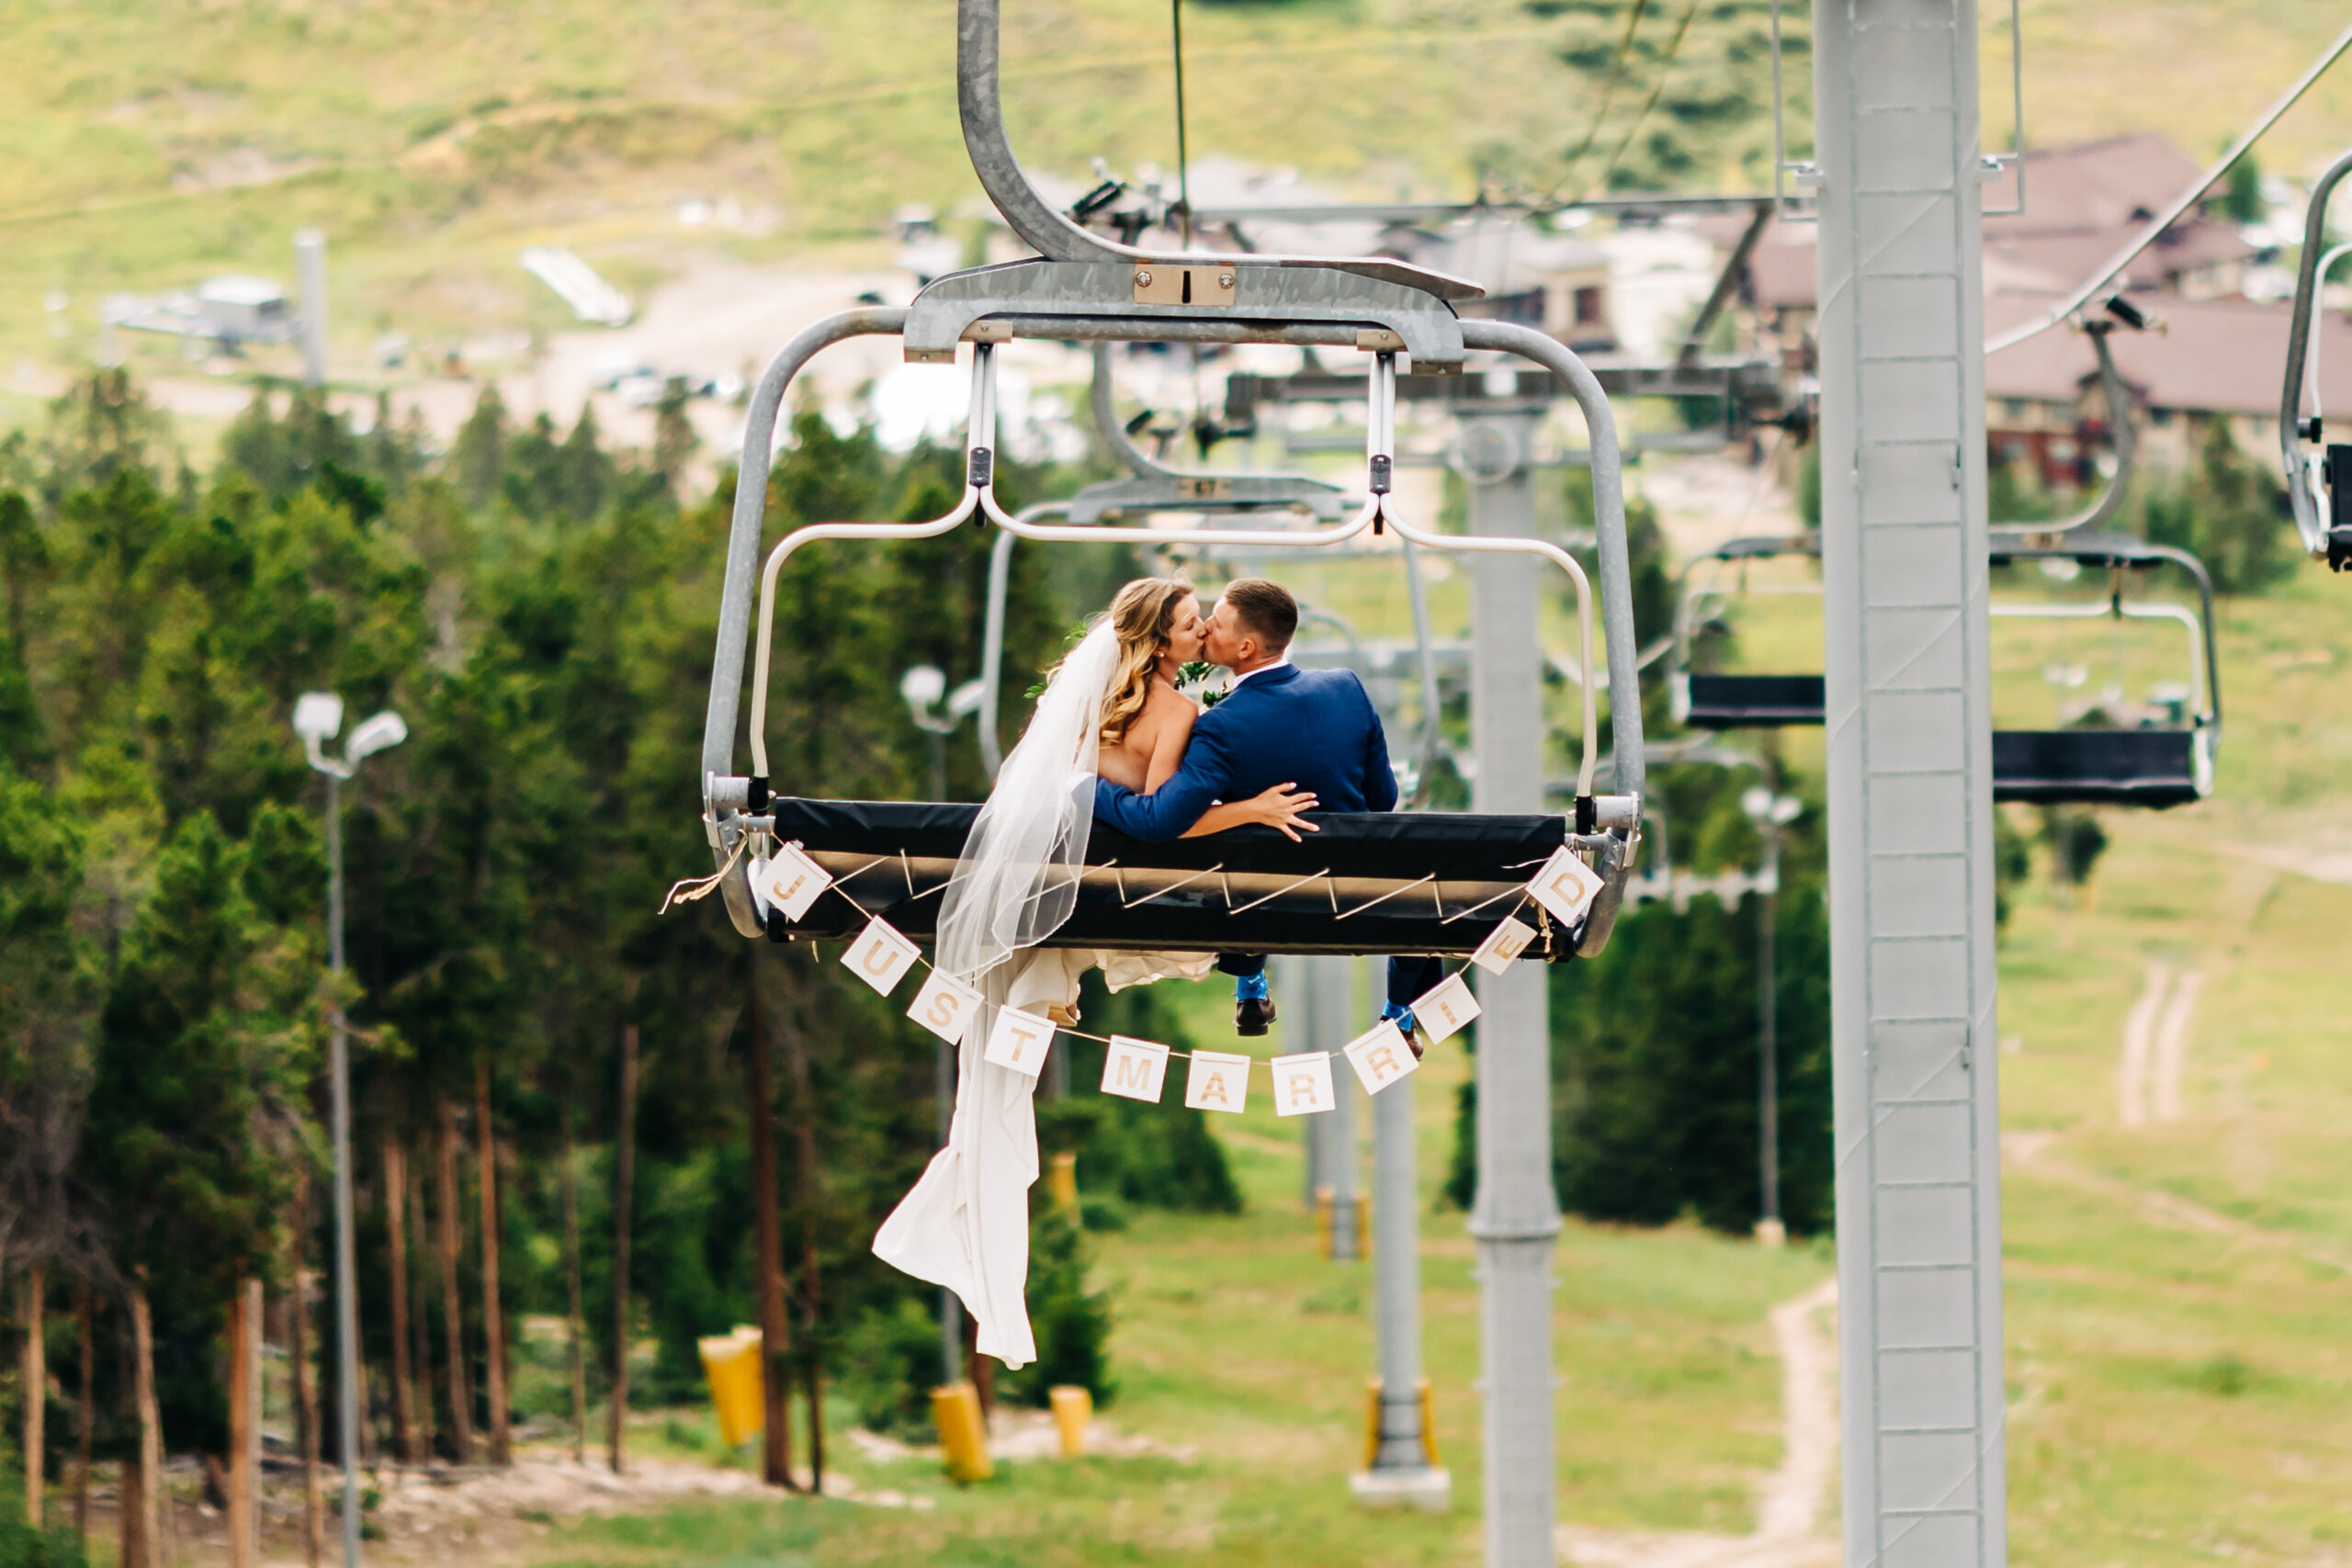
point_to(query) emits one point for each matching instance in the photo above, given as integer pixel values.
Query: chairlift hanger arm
(1051, 232)
(2122, 432)
(1138, 462)
(2319, 535)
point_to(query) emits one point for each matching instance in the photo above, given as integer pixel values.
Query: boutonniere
(1205, 684)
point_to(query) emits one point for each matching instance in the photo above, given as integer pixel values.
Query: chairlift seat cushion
(1754, 702)
(1367, 883)
(2096, 767)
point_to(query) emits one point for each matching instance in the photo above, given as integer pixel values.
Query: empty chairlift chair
(1724, 700)
(2164, 761)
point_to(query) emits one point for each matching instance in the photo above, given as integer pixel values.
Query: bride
(1110, 709)
(1137, 737)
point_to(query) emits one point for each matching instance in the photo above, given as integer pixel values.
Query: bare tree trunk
(979, 1369)
(804, 1096)
(494, 1317)
(575, 1321)
(141, 1501)
(767, 1226)
(256, 1404)
(624, 1177)
(404, 1435)
(453, 1309)
(36, 1391)
(306, 1410)
(132, 1552)
(244, 1333)
(421, 1326)
(84, 1419)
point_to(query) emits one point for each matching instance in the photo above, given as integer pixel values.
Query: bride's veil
(1017, 880)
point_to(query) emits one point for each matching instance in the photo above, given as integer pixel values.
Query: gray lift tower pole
(311, 254)
(1910, 775)
(1333, 980)
(1516, 1215)
(1401, 1473)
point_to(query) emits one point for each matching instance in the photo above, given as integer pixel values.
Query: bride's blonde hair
(1141, 617)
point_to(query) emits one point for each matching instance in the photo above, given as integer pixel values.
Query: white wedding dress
(966, 1222)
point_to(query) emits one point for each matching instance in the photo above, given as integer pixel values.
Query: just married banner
(1302, 1083)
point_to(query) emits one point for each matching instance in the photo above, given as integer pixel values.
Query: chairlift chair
(1724, 700)
(2157, 764)
(1744, 701)
(1432, 872)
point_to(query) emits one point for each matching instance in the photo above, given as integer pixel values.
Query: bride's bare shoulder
(1168, 706)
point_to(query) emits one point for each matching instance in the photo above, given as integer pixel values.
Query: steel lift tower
(1900, 171)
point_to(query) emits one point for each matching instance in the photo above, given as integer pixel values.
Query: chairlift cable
(1184, 160)
(2156, 226)
(1665, 75)
(1607, 96)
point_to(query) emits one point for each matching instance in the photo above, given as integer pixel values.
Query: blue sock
(1402, 1017)
(1249, 988)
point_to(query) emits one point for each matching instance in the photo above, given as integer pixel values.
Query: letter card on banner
(1219, 1081)
(792, 881)
(1303, 1084)
(880, 956)
(1019, 1041)
(1380, 1057)
(1135, 1069)
(1445, 1007)
(1564, 886)
(1503, 946)
(945, 1006)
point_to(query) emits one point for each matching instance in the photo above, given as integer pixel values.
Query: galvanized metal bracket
(1391, 316)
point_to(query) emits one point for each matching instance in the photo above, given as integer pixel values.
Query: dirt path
(1788, 1503)
(2172, 1043)
(2155, 1046)
(2031, 1151)
(2138, 1025)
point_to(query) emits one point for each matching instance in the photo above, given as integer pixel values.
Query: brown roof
(2213, 357)
(2099, 187)
(2082, 205)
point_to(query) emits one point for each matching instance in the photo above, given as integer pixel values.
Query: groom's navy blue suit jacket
(1314, 729)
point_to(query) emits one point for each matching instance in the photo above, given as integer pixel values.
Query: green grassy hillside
(148, 144)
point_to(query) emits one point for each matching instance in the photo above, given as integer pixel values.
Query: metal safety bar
(2127, 554)
(1380, 443)
(980, 481)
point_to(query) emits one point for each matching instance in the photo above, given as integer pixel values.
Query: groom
(1309, 729)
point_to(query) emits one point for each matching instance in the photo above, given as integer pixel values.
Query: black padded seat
(2096, 767)
(1754, 702)
(1368, 883)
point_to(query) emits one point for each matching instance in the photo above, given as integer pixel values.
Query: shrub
(1072, 1322)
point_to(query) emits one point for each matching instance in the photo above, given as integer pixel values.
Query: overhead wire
(1657, 90)
(1607, 96)
(1184, 160)
(2156, 226)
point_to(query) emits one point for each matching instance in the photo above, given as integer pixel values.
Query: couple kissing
(1281, 744)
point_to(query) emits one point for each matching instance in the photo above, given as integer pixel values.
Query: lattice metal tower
(1910, 779)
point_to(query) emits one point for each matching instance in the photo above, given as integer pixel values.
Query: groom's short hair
(1265, 610)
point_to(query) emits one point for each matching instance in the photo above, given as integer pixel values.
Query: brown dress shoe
(1252, 1015)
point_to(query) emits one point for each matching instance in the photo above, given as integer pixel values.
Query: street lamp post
(1771, 814)
(922, 687)
(317, 716)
